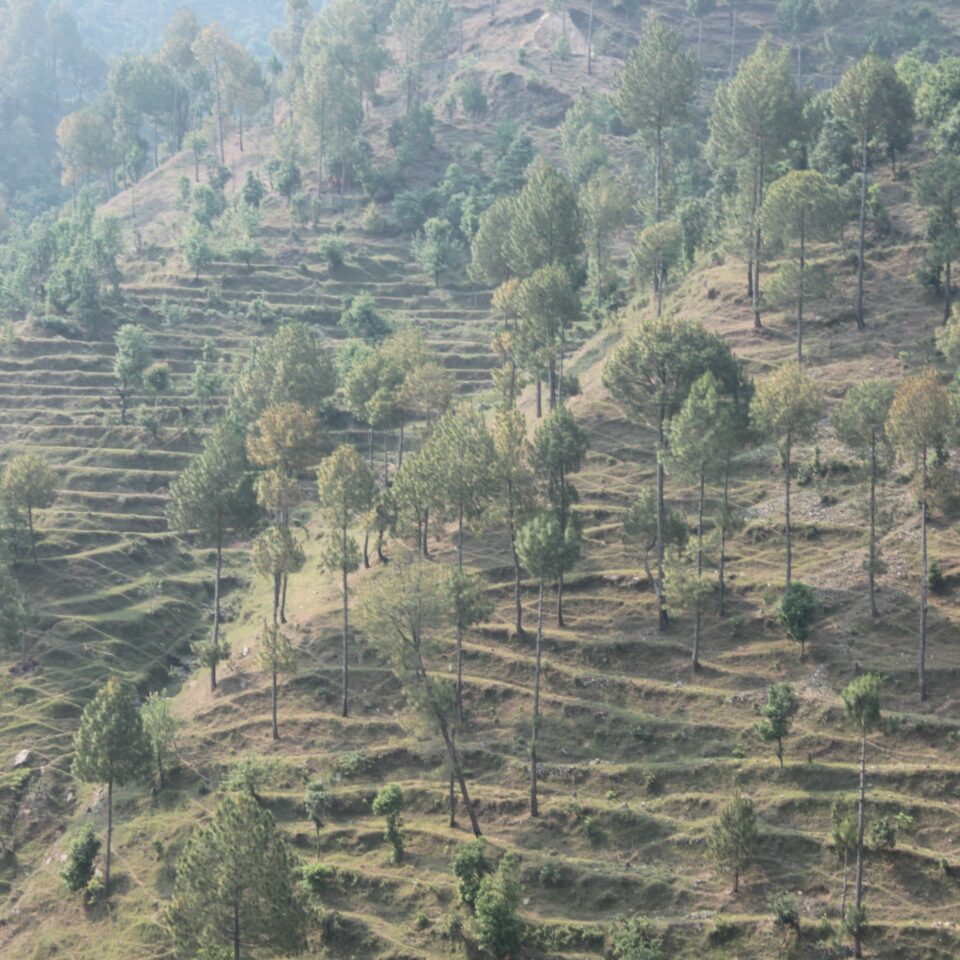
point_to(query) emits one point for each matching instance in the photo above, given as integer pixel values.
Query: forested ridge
(479, 478)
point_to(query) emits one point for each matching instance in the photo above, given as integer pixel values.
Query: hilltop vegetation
(481, 480)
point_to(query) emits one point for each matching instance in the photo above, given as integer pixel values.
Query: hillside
(638, 753)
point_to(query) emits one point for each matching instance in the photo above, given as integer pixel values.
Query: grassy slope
(631, 740)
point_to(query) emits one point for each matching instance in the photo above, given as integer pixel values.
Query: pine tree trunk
(843, 894)
(217, 576)
(923, 577)
(283, 600)
(452, 799)
(858, 882)
(803, 243)
(948, 291)
(106, 864)
(873, 524)
(275, 732)
(458, 771)
(723, 538)
(236, 931)
(346, 629)
(861, 242)
(663, 617)
(534, 809)
(696, 628)
(789, 530)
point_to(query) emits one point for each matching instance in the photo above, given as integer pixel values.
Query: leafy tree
(735, 838)
(362, 320)
(81, 860)
(786, 410)
(388, 803)
(402, 611)
(110, 747)
(198, 253)
(250, 775)
(436, 249)
(517, 496)
(697, 437)
(234, 892)
(650, 375)
(316, 804)
(131, 359)
(28, 483)
(276, 655)
(559, 447)
(496, 922)
(654, 93)
(212, 496)
(293, 366)
(796, 612)
(160, 726)
(546, 550)
(755, 117)
(284, 438)
(604, 209)
(346, 489)
(861, 699)
(801, 207)
(861, 423)
(938, 191)
(875, 105)
(778, 713)
(470, 865)
(922, 418)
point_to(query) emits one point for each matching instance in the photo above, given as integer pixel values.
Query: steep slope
(638, 754)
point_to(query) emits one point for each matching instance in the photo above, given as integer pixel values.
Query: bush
(388, 803)
(883, 834)
(333, 251)
(78, 871)
(363, 321)
(723, 931)
(636, 938)
(250, 775)
(551, 873)
(316, 877)
(796, 612)
(470, 865)
(785, 911)
(936, 581)
(496, 924)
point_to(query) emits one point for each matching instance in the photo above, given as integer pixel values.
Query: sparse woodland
(480, 479)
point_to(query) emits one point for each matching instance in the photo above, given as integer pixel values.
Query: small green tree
(28, 483)
(470, 865)
(111, 747)
(316, 804)
(861, 699)
(234, 891)
(796, 612)
(276, 655)
(786, 410)
(861, 423)
(436, 249)
(843, 835)
(735, 839)
(277, 553)
(81, 858)
(132, 357)
(778, 713)
(160, 726)
(388, 804)
(657, 252)
(496, 922)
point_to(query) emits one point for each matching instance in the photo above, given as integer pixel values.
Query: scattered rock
(22, 759)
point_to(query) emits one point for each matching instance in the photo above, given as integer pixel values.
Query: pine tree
(234, 891)
(276, 655)
(922, 419)
(111, 747)
(861, 699)
(778, 713)
(346, 489)
(786, 409)
(735, 838)
(28, 483)
(160, 727)
(861, 423)
(875, 105)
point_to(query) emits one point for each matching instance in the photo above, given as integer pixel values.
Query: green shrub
(78, 871)
(785, 911)
(883, 834)
(470, 865)
(936, 581)
(636, 938)
(388, 803)
(496, 923)
(722, 931)
(316, 877)
(551, 873)
(333, 251)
